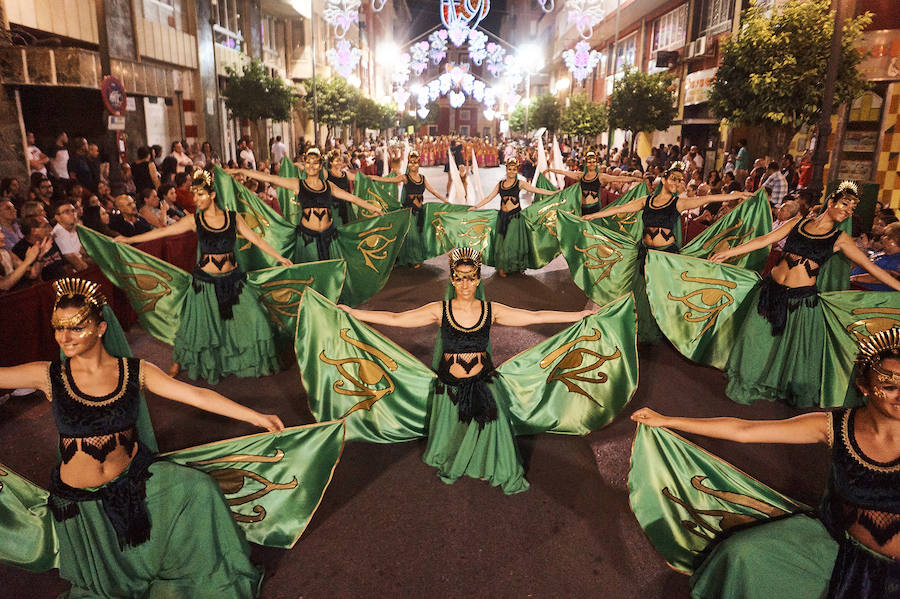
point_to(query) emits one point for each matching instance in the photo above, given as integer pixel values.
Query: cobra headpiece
(876, 347)
(70, 287)
(675, 167)
(202, 179)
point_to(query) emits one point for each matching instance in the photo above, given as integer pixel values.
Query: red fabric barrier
(25, 314)
(690, 229)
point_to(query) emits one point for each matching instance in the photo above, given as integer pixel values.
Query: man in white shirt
(246, 155)
(66, 238)
(278, 150)
(37, 160)
(60, 156)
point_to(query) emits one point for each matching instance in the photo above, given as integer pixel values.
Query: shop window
(625, 53)
(227, 27)
(716, 16)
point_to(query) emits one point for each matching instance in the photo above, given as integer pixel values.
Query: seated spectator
(888, 259)
(715, 182)
(37, 232)
(153, 210)
(184, 197)
(104, 194)
(789, 209)
(97, 218)
(12, 191)
(33, 209)
(12, 233)
(128, 185)
(14, 269)
(66, 237)
(168, 194)
(127, 221)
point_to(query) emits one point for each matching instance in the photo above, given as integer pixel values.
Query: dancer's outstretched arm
(177, 228)
(289, 183)
(696, 202)
(489, 197)
(339, 193)
(516, 317)
(434, 191)
(632, 206)
(529, 187)
(417, 317)
(251, 236)
(394, 179)
(757, 243)
(806, 428)
(570, 174)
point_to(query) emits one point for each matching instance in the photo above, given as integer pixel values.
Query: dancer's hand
(346, 308)
(720, 257)
(649, 417)
(589, 311)
(121, 239)
(234, 171)
(270, 422)
(284, 261)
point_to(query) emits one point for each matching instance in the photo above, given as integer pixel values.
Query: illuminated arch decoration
(461, 17)
(341, 14)
(418, 57)
(495, 61)
(377, 5)
(581, 60)
(343, 58)
(437, 46)
(585, 14)
(477, 47)
(547, 5)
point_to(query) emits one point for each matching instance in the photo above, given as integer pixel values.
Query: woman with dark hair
(97, 218)
(591, 180)
(852, 551)
(223, 330)
(127, 523)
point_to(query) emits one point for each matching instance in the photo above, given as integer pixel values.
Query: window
(625, 53)
(716, 16)
(464, 130)
(227, 27)
(465, 115)
(272, 33)
(669, 30)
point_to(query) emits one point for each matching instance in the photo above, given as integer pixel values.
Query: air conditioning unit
(691, 49)
(700, 46)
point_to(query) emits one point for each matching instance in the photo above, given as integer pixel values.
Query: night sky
(426, 14)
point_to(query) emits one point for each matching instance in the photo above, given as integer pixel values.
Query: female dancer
(469, 431)
(127, 522)
(854, 550)
(413, 252)
(340, 177)
(219, 334)
(774, 354)
(511, 242)
(316, 229)
(591, 179)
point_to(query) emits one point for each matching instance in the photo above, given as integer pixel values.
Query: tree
(372, 115)
(583, 117)
(772, 75)
(337, 101)
(252, 94)
(544, 112)
(642, 102)
(517, 118)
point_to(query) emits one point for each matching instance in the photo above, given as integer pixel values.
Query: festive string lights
(343, 58)
(585, 14)
(581, 60)
(341, 14)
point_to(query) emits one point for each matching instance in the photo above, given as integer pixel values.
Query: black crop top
(216, 241)
(310, 198)
(808, 249)
(590, 187)
(414, 193)
(509, 194)
(97, 424)
(457, 339)
(342, 182)
(860, 490)
(662, 217)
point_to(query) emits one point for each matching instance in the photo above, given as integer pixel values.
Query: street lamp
(531, 60)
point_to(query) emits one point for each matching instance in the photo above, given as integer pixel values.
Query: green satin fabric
(384, 195)
(155, 288)
(629, 223)
(436, 240)
(272, 482)
(352, 372)
(512, 251)
(544, 183)
(542, 217)
(414, 250)
(750, 219)
(834, 275)
(684, 497)
(602, 262)
(280, 288)
(699, 305)
(578, 380)
(469, 228)
(27, 537)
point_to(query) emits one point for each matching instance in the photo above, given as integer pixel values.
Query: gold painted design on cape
(623, 221)
(569, 369)
(699, 524)
(146, 285)
(726, 239)
(282, 298)
(880, 321)
(232, 481)
(601, 256)
(714, 301)
(374, 246)
(549, 217)
(252, 216)
(477, 234)
(369, 374)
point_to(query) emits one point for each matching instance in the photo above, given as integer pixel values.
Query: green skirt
(791, 558)
(195, 549)
(209, 347)
(413, 251)
(512, 250)
(488, 452)
(786, 366)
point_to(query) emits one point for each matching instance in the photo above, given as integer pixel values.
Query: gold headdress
(590, 154)
(677, 166)
(872, 350)
(71, 287)
(413, 154)
(512, 162)
(465, 255)
(202, 178)
(847, 187)
(314, 151)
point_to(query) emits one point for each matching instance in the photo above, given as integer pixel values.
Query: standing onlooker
(804, 171)
(279, 150)
(742, 162)
(775, 184)
(37, 160)
(143, 171)
(789, 171)
(182, 160)
(79, 168)
(127, 221)
(98, 170)
(66, 238)
(59, 156)
(11, 230)
(184, 197)
(245, 156)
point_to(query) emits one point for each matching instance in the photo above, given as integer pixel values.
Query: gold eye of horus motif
(569, 369)
(601, 256)
(281, 298)
(374, 246)
(713, 299)
(369, 373)
(873, 324)
(148, 285)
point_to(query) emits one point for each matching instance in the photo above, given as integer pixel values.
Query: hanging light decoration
(585, 14)
(341, 14)
(422, 112)
(547, 5)
(582, 60)
(460, 17)
(401, 69)
(477, 48)
(438, 46)
(418, 57)
(377, 5)
(495, 58)
(343, 58)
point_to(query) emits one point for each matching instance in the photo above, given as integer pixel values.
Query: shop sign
(881, 51)
(697, 86)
